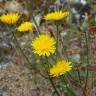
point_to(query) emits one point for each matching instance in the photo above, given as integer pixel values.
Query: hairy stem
(18, 45)
(50, 79)
(87, 59)
(57, 39)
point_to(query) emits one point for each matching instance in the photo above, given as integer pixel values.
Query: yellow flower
(10, 18)
(57, 15)
(25, 26)
(43, 45)
(60, 68)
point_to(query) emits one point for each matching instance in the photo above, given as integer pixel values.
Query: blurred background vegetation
(16, 76)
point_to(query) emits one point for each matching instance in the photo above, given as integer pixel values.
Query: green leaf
(54, 94)
(75, 58)
(70, 92)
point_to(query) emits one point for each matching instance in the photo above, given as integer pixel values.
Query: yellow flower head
(60, 68)
(43, 45)
(25, 26)
(10, 18)
(57, 15)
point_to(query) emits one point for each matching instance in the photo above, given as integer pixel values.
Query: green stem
(38, 30)
(20, 48)
(54, 87)
(18, 45)
(79, 76)
(50, 79)
(87, 50)
(28, 6)
(80, 83)
(57, 39)
(70, 91)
